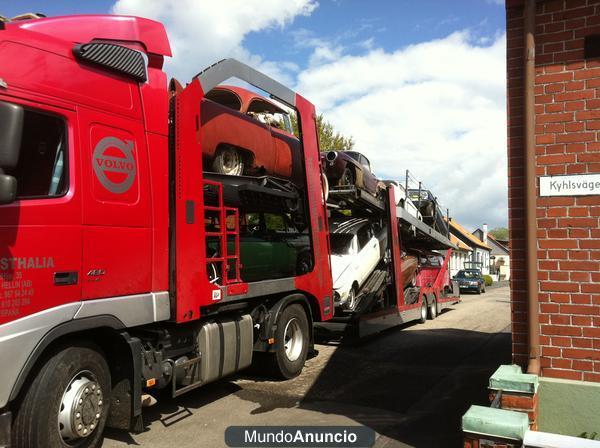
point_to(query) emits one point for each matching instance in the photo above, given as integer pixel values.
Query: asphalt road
(410, 384)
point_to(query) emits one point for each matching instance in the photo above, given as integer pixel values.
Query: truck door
(40, 233)
(117, 246)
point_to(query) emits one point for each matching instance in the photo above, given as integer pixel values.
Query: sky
(419, 85)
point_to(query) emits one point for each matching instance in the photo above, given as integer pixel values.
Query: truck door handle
(65, 278)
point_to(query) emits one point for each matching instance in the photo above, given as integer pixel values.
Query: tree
(329, 138)
(500, 233)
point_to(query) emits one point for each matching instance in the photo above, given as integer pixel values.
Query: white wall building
(500, 255)
(459, 256)
(480, 251)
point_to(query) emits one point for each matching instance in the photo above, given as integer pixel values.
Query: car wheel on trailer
(351, 301)
(292, 341)
(67, 402)
(348, 177)
(228, 160)
(304, 263)
(433, 311)
(325, 186)
(423, 318)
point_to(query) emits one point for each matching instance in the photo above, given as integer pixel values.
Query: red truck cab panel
(103, 236)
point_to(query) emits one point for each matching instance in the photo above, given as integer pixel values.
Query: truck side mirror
(8, 189)
(11, 130)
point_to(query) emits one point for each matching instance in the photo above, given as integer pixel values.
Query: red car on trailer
(245, 133)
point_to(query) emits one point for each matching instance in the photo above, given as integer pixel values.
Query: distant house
(480, 252)
(500, 258)
(459, 256)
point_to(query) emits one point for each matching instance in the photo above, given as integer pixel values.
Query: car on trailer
(248, 134)
(402, 200)
(349, 168)
(430, 210)
(355, 252)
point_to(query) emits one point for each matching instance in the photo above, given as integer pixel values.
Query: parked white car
(402, 200)
(355, 252)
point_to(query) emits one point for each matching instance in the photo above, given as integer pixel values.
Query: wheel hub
(293, 340)
(231, 160)
(81, 407)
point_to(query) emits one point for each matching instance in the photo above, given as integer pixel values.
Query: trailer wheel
(423, 318)
(67, 403)
(229, 161)
(433, 311)
(292, 339)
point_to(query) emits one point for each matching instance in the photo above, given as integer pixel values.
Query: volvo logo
(116, 173)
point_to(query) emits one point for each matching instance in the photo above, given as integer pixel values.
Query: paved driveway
(410, 384)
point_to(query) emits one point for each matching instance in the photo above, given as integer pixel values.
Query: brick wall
(567, 93)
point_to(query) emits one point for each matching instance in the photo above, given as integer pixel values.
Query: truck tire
(432, 309)
(67, 402)
(423, 318)
(292, 341)
(228, 160)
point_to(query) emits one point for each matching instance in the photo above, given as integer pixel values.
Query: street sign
(576, 185)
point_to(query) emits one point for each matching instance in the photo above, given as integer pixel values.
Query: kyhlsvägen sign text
(578, 185)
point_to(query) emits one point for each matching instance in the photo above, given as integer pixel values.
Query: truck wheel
(433, 309)
(67, 403)
(423, 318)
(292, 339)
(229, 161)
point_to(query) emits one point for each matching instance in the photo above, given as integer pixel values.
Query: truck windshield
(41, 169)
(340, 243)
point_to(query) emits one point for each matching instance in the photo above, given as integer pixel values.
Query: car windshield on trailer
(341, 243)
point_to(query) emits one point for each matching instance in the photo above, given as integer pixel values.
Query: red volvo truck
(106, 288)
(120, 256)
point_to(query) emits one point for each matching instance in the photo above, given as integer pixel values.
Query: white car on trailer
(355, 253)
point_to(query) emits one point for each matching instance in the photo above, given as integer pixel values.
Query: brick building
(567, 138)
(553, 82)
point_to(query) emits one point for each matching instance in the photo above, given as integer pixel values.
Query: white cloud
(436, 108)
(203, 32)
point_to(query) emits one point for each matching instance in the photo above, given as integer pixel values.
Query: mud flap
(126, 403)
